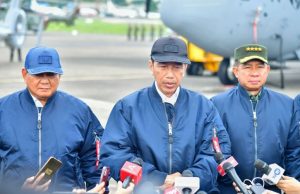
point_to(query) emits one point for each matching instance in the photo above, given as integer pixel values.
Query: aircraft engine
(18, 26)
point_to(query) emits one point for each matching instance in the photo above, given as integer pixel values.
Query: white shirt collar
(36, 101)
(172, 100)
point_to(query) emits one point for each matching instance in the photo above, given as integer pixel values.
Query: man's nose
(254, 70)
(44, 78)
(170, 71)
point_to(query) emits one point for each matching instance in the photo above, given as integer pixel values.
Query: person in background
(39, 122)
(169, 127)
(288, 184)
(257, 119)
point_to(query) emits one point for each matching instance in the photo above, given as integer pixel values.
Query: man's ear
(268, 68)
(150, 65)
(184, 69)
(235, 71)
(24, 73)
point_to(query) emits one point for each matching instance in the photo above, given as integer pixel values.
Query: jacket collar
(245, 93)
(158, 105)
(156, 95)
(30, 99)
(172, 100)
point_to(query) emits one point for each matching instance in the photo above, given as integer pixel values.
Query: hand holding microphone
(289, 185)
(121, 190)
(131, 172)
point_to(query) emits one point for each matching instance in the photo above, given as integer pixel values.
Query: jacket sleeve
(118, 145)
(205, 166)
(292, 151)
(87, 154)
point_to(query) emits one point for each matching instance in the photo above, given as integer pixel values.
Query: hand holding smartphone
(49, 168)
(104, 174)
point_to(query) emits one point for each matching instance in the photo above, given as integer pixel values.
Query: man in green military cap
(257, 119)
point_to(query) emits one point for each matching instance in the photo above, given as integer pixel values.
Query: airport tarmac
(100, 69)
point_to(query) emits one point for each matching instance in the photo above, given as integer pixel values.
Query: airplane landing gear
(225, 73)
(12, 51)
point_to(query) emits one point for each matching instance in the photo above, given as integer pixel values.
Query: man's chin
(169, 92)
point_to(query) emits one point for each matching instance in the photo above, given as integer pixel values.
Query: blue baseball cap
(43, 60)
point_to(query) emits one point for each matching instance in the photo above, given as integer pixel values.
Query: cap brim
(245, 59)
(166, 58)
(45, 70)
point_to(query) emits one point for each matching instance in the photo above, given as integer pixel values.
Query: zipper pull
(170, 133)
(39, 125)
(255, 118)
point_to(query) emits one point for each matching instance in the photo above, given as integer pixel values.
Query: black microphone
(262, 166)
(271, 173)
(187, 184)
(230, 171)
(187, 173)
(219, 157)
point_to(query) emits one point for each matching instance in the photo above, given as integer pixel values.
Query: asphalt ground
(101, 69)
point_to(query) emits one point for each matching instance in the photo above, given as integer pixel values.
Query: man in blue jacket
(169, 127)
(39, 122)
(257, 119)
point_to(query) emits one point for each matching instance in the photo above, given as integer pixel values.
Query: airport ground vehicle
(201, 60)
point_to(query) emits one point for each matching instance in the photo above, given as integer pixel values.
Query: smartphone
(104, 174)
(49, 168)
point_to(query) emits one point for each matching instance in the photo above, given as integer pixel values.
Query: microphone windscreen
(187, 173)
(219, 157)
(262, 166)
(227, 166)
(138, 161)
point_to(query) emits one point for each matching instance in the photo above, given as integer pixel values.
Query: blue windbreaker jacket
(296, 117)
(137, 127)
(269, 138)
(68, 132)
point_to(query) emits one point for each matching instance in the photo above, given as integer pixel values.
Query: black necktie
(170, 111)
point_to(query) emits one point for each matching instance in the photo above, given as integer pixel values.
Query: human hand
(121, 190)
(33, 184)
(248, 187)
(289, 185)
(269, 192)
(237, 189)
(170, 180)
(99, 188)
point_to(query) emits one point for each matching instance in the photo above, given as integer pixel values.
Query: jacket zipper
(39, 126)
(255, 132)
(170, 140)
(170, 146)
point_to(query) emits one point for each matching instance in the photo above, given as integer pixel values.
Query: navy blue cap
(170, 49)
(43, 60)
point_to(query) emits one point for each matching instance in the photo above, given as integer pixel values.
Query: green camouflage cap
(251, 51)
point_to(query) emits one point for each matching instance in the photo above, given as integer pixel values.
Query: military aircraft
(13, 28)
(53, 10)
(219, 26)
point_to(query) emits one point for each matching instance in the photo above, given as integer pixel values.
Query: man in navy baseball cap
(180, 119)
